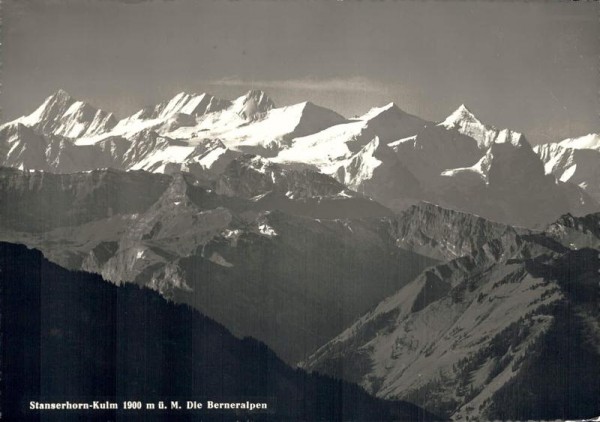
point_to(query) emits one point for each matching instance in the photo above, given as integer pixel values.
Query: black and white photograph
(335, 210)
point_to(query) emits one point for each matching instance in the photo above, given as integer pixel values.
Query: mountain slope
(376, 171)
(446, 234)
(294, 277)
(394, 157)
(325, 148)
(278, 126)
(508, 184)
(127, 343)
(301, 192)
(575, 161)
(469, 336)
(576, 232)
(432, 150)
(356, 154)
(44, 201)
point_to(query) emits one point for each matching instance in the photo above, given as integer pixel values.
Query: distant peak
(461, 115)
(260, 97)
(181, 97)
(61, 93)
(256, 93)
(61, 114)
(516, 139)
(463, 109)
(389, 106)
(377, 111)
(251, 92)
(61, 96)
(253, 104)
(188, 95)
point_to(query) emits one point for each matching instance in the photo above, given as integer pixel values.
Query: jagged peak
(428, 206)
(193, 104)
(187, 96)
(570, 219)
(68, 105)
(178, 103)
(463, 120)
(61, 114)
(464, 109)
(461, 115)
(59, 100)
(60, 94)
(258, 96)
(516, 139)
(564, 217)
(254, 103)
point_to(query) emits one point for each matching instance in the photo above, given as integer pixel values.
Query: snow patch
(266, 230)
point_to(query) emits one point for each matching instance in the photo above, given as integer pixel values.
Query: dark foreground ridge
(71, 336)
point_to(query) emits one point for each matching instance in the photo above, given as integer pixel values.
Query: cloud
(352, 84)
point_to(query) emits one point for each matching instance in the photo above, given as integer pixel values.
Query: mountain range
(448, 264)
(293, 273)
(507, 331)
(387, 154)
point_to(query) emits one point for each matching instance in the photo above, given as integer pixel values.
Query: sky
(530, 66)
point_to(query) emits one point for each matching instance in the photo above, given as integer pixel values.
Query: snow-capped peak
(253, 104)
(193, 104)
(465, 122)
(60, 114)
(53, 107)
(182, 110)
(390, 123)
(260, 97)
(507, 136)
(378, 111)
(182, 103)
(461, 116)
(60, 94)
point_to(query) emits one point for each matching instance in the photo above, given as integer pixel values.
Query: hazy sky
(531, 66)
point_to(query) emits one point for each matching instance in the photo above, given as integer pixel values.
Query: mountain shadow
(71, 336)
